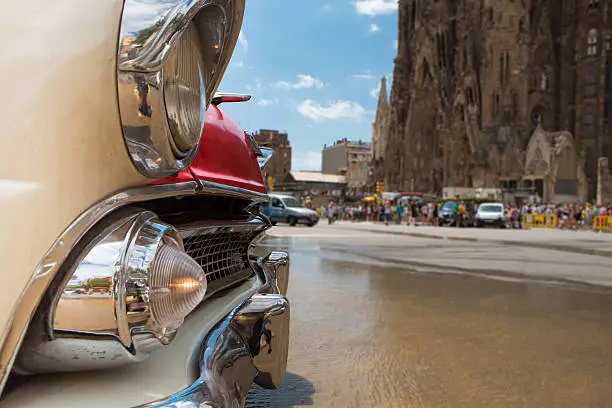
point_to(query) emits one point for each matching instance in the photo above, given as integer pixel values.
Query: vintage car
(130, 206)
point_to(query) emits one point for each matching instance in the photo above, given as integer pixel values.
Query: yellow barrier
(540, 221)
(603, 223)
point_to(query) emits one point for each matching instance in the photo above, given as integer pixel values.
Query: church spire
(383, 101)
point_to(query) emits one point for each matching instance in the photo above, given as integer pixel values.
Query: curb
(553, 247)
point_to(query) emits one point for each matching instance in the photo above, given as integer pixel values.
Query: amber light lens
(184, 92)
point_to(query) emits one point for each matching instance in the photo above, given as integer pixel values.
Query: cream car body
(64, 153)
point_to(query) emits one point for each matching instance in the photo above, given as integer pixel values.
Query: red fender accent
(225, 156)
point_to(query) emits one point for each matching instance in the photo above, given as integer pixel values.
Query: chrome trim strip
(51, 262)
(208, 187)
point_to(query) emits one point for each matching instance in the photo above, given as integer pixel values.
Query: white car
(490, 214)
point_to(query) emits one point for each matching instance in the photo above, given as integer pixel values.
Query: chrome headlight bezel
(144, 50)
(127, 254)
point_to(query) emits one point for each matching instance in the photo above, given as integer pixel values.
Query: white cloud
(375, 7)
(304, 82)
(310, 160)
(367, 76)
(395, 44)
(334, 110)
(264, 102)
(243, 41)
(373, 28)
(237, 64)
(375, 92)
(327, 7)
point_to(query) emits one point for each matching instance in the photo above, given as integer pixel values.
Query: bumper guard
(250, 344)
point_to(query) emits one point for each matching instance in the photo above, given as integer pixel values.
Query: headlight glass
(184, 92)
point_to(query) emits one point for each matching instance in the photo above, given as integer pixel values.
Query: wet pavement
(383, 320)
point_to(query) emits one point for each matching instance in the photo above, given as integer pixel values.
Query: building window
(588, 120)
(590, 82)
(593, 4)
(608, 41)
(609, 75)
(592, 42)
(495, 110)
(577, 52)
(543, 82)
(504, 67)
(470, 96)
(608, 115)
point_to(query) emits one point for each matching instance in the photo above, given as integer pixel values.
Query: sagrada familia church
(509, 94)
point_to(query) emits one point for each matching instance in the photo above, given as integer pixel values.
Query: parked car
(448, 214)
(492, 214)
(284, 208)
(111, 180)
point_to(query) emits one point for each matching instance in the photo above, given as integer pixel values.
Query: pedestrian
(461, 211)
(415, 212)
(436, 215)
(429, 214)
(387, 213)
(330, 213)
(400, 212)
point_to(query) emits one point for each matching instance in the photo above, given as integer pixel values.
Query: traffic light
(270, 183)
(380, 187)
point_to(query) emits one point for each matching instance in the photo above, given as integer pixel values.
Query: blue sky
(313, 68)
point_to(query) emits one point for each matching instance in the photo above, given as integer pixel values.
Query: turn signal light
(137, 279)
(177, 286)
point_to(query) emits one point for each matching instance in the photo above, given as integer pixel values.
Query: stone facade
(348, 158)
(380, 132)
(473, 79)
(604, 183)
(280, 163)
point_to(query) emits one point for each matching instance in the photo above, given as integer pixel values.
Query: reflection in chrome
(49, 265)
(13, 338)
(222, 250)
(169, 65)
(250, 344)
(276, 267)
(264, 159)
(134, 281)
(154, 284)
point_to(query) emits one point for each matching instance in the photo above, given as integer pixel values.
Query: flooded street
(382, 320)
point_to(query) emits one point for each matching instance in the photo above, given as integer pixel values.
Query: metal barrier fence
(540, 221)
(603, 223)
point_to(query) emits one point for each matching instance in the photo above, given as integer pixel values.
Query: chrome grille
(222, 252)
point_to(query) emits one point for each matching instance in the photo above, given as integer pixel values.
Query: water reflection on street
(370, 334)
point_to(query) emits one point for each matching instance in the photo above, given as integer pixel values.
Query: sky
(313, 68)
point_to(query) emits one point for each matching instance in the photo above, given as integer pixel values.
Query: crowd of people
(564, 216)
(411, 212)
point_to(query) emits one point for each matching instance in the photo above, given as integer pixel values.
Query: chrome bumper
(249, 345)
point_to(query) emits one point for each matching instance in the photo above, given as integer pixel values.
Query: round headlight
(184, 92)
